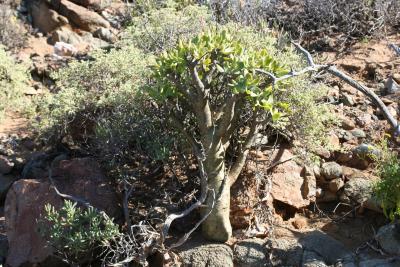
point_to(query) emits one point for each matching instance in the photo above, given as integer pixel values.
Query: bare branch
(244, 151)
(396, 49)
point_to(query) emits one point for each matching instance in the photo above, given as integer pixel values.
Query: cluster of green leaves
(13, 81)
(75, 232)
(388, 188)
(160, 29)
(222, 57)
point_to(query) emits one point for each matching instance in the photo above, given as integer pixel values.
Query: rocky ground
(293, 215)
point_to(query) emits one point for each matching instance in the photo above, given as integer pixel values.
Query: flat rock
(288, 183)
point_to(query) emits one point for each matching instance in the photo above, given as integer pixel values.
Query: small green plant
(387, 190)
(13, 80)
(74, 232)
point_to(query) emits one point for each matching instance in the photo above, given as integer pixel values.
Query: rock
(309, 187)
(64, 49)
(287, 182)
(347, 124)
(348, 100)
(284, 252)
(357, 191)
(388, 237)
(366, 151)
(331, 170)
(333, 141)
(26, 199)
(330, 250)
(346, 135)
(327, 196)
(44, 18)
(65, 35)
(358, 133)
(250, 253)
(93, 4)
(206, 254)
(391, 86)
(396, 77)
(5, 183)
(312, 259)
(364, 120)
(335, 185)
(391, 262)
(107, 35)
(6, 165)
(93, 42)
(79, 16)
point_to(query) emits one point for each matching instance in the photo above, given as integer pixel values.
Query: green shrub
(74, 232)
(13, 81)
(159, 30)
(387, 190)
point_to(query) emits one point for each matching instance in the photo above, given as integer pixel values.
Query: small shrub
(13, 80)
(74, 232)
(160, 30)
(388, 188)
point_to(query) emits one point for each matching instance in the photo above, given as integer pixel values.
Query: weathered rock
(391, 86)
(6, 165)
(26, 199)
(107, 35)
(284, 252)
(388, 237)
(327, 196)
(347, 124)
(312, 259)
(66, 35)
(206, 254)
(331, 170)
(44, 18)
(64, 49)
(366, 151)
(250, 253)
(79, 16)
(348, 100)
(391, 262)
(358, 133)
(287, 182)
(93, 4)
(331, 250)
(335, 185)
(359, 191)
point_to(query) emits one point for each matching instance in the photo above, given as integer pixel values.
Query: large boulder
(288, 184)
(26, 200)
(44, 18)
(359, 191)
(93, 4)
(79, 16)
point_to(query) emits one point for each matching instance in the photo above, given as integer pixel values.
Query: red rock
(79, 16)
(287, 181)
(26, 199)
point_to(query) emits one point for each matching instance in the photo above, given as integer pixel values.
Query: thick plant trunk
(217, 226)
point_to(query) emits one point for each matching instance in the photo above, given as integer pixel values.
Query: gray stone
(380, 263)
(388, 237)
(284, 252)
(358, 133)
(250, 253)
(206, 254)
(312, 259)
(331, 250)
(104, 34)
(6, 165)
(65, 35)
(391, 86)
(359, 191)
(366, 150)
(331, 170)
(348, 100)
